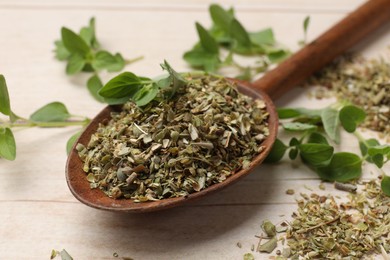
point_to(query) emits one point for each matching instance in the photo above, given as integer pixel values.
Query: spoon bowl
(79, 186)
(349, 31)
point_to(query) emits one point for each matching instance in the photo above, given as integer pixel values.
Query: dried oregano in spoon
(172, 147)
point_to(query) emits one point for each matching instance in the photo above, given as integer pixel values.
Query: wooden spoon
(275, 83)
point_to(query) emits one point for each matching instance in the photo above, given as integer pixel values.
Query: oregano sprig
(54, 114)
(142, 90)
(316, 126)
(227, 37)
(82, 52)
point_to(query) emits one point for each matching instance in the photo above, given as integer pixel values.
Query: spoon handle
(325, 48)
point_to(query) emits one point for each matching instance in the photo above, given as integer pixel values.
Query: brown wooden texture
(352, 29)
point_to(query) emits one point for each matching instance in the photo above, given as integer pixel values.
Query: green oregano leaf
(125, 84)
(241, 36)
(7, 144)
(315, 154)
(350, 117)
(176, 80)
(61, 52)
(385, 185)
(5, 105)
(105, 60)
(378, 154)
(294, 142)
(277, 152)
(74, 43)
(52, 112)
(220, 17)
(75, 64)
(342, 167)
(331, 123)
(306, 23)
(94, 84)
(317, 138)
(293, 153)
(88, 34)
(199, 58)
(146, 94)
(71, 142)
(263, 37)
(208, 43)
(365, 144)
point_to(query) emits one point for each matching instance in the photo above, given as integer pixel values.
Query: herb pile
(227, 38)
(177, 146)
(325, 227)
(365, 83)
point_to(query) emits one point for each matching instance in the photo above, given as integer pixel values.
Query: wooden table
(37, 211)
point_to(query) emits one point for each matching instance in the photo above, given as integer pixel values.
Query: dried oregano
(324, 228)
(171, 148)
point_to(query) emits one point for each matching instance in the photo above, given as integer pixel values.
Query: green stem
(134, 60)
(44, 124)
(360, 138)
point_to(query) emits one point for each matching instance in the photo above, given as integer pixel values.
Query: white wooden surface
(38, 212)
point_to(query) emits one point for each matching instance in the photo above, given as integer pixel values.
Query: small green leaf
(88, 34)
(75, 64)
(306, 23)
(241, 36)
(262, 37)
(317, 138)
(285, 113)
(295, 126)
(378, 154)
(342, 167)
(385, 185)
(351, 117)
(379, 149)
(221, 17)
(378, 160)
(277, 152)
(146, 94)
(52, 112)
(199, 58)
(7, 144)
(278, 56)
(124, 85)
(177, 80)
(316, 154)
(105, 60)
(5, 105)
(294, 142)
(207, 42)
(293, 153)
(61, 52)
(74, 43)
(94, 85)
(331, 122)
(364, 145)
(71, 142)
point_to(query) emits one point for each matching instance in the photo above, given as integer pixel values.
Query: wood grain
(38, 213)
